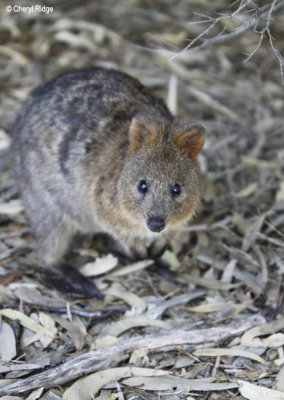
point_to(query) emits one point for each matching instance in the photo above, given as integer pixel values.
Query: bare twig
(219, 38)
(259, 14)
(266, 31)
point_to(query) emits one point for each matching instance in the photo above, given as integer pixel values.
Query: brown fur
(82, 144)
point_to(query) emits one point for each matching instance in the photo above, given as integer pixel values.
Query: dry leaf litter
(209, 323)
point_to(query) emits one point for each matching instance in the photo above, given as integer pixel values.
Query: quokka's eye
(142, 186)
(176, 191)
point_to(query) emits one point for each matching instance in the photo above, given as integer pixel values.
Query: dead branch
(258, 15)
(215, 21)
(112, 355)
(266, 31)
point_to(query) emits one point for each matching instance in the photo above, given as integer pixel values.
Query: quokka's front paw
(157, 248)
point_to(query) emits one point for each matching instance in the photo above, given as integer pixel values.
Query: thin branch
(279, 56)
(197, 37)
(256, 49)
(264, 31)
(259, 14)
(210, 27)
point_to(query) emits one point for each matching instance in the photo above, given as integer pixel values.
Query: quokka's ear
(191, 140)
(142, 132)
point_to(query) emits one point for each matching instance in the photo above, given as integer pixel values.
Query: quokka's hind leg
(49, 253)
(53, 234)
(52, 246)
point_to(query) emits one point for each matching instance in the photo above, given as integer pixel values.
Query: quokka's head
(160, 183)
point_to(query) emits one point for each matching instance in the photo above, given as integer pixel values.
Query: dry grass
(154, 335)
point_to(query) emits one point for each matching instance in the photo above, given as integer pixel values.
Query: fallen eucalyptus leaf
(280, 193)
(279, 381)
(262, 164)
(104, 342)
(25, 321)
(247, 191)
(12, 207)
(176, 383)
(137, 354)
(131, 268)
(254, 392)
(208, 307)
(7, 342)
(49, 324)
(118, 327)
(212, 352)
(75, 329)
(5, 140)
(170, 258)
(250, 339)
(156, 310)
(100, 266)
(35, 395)
(130, 298)
(86, 388)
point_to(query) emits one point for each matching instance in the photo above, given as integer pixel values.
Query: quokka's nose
(156, 224)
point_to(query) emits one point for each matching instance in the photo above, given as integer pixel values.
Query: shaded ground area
(227, 274)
